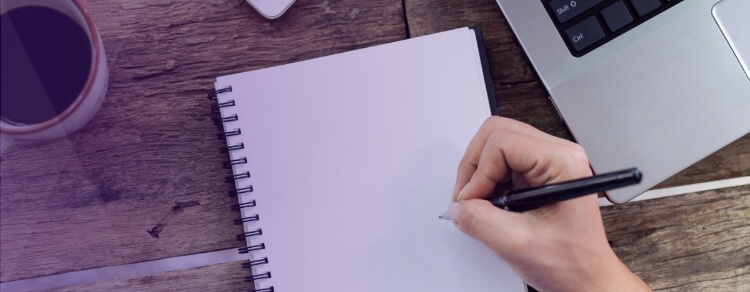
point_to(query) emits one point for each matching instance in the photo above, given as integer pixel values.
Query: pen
(531, 198)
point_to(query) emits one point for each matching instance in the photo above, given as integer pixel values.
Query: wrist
(615, 276)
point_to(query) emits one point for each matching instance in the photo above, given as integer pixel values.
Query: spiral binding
(246, 219)
(213, 95)
(232, 178)
(266, 275)
(255, 232)
(252, 263)
(221, 121)
(236, 132)
(234, 193)
(233, 162)
(247, 249)
(237, 207)
(216, 109)
(232, 148)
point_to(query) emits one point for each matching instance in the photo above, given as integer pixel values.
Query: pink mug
(67, 106)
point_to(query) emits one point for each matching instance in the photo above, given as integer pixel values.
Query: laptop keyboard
(586, 25)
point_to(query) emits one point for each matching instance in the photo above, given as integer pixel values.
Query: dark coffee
(46, 60)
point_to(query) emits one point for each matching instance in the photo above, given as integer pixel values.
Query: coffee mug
(54, 69)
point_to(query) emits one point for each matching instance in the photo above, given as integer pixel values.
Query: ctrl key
(584, 33)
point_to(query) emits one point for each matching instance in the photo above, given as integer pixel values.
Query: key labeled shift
(585, 33)
(564, 10)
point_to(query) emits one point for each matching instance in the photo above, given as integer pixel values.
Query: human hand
(561, 247)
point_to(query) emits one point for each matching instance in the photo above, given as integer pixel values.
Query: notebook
(342, 165)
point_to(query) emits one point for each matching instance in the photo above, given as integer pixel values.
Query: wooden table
(143, 180)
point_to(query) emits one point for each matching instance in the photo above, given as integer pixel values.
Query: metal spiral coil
(232, 148)
(232, 178)
(246, 219)
(221, 121)
(233, 162)
(250, 264)
(248, 189)
(266, 275)
(213, 95)
(237, 207)
(247, 249)
(236, 132)
(217, 108)
(255, 232)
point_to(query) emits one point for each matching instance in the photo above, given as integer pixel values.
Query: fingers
(505, 151)
(505, 148)
(469, 162)
(501, 230)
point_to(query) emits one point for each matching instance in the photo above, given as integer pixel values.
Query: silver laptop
(653, 84)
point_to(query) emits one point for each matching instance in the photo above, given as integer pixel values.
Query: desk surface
(143, 180)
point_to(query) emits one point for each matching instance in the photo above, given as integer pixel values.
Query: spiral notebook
(342, 165)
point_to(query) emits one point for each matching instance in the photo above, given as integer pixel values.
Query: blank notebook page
(352, 159)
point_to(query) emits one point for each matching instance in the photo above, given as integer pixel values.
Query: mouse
(271, 9)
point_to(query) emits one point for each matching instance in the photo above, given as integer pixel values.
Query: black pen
(529, 199)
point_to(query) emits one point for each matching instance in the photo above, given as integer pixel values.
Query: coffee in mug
(54, 74)
(46, 59)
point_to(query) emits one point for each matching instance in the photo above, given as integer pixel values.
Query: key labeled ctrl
(585, 33)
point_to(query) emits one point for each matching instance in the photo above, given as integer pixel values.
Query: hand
(561, 247)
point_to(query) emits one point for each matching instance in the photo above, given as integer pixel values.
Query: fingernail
(453, 210)
(461, 193)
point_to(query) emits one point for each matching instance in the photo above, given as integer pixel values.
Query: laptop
(653, 84)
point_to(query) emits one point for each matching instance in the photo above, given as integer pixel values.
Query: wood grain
(520, 96)
(222, 277)
(692, 242)
(143, 180)
(506, 60)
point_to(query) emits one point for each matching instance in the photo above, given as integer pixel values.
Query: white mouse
(271, 9)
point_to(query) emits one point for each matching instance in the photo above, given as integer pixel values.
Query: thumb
(496, 228)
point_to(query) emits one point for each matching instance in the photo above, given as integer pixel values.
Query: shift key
(564, 10)
(584, 33)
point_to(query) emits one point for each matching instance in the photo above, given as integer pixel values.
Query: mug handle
(5, 142)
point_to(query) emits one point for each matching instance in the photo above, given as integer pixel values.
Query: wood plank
(506, 60)
(520, 96)
(692, 242)
(527, 102)
(143, 180)
(220, 277)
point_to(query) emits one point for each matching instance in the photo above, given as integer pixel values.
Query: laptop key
(643, 7)
(616, 16)
(586, 25)
(584, 33)
(564, 10)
